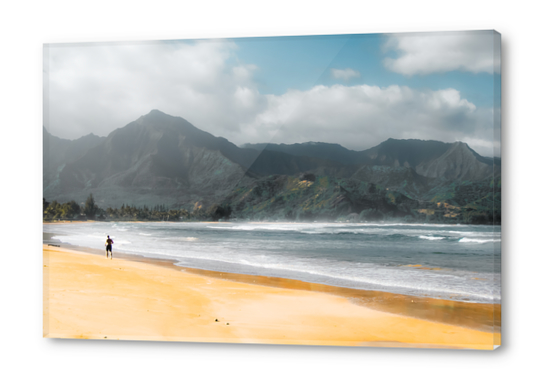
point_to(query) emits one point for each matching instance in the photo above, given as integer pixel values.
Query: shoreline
(268, 222)
(478, 316)
(470, 319)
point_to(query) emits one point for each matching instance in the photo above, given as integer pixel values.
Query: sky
(354, 90)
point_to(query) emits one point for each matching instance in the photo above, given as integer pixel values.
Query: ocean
(458, 262)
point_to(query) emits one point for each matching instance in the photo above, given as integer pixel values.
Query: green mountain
(432, 159)
(58, 152)
(161, 159)
(327, 151)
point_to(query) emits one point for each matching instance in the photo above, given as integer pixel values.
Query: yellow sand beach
(88, 296)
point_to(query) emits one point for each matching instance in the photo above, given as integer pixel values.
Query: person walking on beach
(108, 247)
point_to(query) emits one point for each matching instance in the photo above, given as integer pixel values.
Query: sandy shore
(88, 296)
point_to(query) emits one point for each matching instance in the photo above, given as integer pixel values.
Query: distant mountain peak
(155, 113)
(160, 156)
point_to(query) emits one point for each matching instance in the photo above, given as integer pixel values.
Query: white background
(25, 26)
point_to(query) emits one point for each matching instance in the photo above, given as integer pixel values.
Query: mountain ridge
(162, 159)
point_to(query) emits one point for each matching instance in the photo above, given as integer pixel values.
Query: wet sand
(88, 296)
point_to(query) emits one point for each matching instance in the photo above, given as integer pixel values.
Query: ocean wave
(411, 283)
(253, 228)
(475, 234)
(445, 253)
(121, 242)
(375, 229)
(431, 238)
(292, 251)
(475, 240)
(181, 239)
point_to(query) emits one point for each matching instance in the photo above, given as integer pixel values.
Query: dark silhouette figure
(108, 247)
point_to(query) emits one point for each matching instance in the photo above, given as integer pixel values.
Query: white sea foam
(294, 250)
(121, 242)
(475, 240)
(180, 239)
(271, 227)
(375, 277)
(431, 238)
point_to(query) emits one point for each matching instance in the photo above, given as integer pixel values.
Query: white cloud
(99, 88)
(102, 87)
(359, 117)
(345, 74)
(421, 54)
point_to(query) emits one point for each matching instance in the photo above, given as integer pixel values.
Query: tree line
(91, 211)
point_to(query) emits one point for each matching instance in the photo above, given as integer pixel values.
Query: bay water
(459, 262)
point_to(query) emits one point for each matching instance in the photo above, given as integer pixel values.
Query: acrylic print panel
(313, 190)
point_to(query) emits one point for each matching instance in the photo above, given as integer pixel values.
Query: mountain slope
(459, 162)
(58, 152)
(161, 159)
(157, 159)
(432, 159)
(405, 153)
(327, 151)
